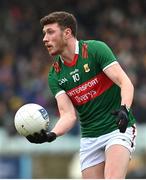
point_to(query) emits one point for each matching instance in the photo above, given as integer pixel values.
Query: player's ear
(67, 33)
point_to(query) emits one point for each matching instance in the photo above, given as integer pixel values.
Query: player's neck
(69, 51)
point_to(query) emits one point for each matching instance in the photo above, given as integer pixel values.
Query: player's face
(53, 39)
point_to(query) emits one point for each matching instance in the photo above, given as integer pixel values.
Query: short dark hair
(63, 19)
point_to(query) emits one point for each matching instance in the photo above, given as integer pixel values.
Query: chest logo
(86, 68)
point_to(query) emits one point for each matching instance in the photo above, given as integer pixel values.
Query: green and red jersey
(93, 94)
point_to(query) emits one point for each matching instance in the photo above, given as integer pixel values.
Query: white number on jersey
(76, 77)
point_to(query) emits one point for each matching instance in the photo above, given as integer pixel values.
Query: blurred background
(24, 65)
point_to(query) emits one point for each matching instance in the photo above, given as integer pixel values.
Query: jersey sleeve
(104, 55)
(53, 83)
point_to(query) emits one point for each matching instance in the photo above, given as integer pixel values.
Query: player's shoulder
(94, 44)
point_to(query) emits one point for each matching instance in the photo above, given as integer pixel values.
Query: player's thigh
(117, 160)
(94, 172)
(92, 157)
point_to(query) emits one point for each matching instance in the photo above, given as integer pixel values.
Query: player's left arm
(119, 77)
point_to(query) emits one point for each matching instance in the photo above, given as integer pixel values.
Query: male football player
(86, 76)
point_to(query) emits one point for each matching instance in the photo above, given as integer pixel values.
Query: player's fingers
(43, 131)
(30, 138)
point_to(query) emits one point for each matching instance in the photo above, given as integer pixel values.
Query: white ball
(31, 118)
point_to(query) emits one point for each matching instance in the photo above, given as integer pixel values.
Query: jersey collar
(77, 47)
(73, 62)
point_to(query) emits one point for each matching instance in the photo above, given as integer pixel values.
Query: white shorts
(92, 150)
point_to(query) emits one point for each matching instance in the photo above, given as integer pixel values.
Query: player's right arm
(64, 124)
(67, 115)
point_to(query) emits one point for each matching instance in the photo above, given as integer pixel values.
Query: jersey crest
(86, 68)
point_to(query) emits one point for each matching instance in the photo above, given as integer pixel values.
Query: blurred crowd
(24, 62)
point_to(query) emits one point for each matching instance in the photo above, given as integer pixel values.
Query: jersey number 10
(76, 77)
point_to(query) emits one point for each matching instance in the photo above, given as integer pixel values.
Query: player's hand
(122, 118)
(43, 136)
